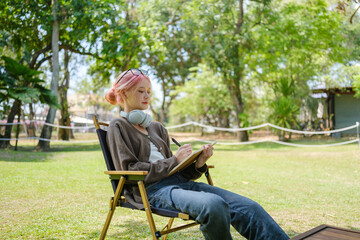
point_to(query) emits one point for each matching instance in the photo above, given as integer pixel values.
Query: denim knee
(255, 208)
(214, 208)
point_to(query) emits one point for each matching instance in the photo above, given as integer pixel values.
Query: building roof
(345, 90)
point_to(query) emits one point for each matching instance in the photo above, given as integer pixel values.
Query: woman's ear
(123, 94)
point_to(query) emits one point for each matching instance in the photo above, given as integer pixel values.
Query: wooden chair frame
(125, 177)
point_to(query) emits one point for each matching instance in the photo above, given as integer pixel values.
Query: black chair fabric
(107, 156)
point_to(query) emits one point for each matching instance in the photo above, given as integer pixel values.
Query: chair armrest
(129, 175)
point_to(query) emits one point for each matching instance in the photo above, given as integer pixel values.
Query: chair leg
(147, 209)
(107, 223)
(113, 203)
(168, 226)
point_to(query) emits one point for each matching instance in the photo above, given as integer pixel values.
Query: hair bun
(111, 97)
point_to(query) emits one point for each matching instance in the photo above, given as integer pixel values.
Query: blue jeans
(215, 209)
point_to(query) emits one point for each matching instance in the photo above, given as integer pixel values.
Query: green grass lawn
(64, 194)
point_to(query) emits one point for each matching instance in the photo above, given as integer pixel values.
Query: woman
(137, 143)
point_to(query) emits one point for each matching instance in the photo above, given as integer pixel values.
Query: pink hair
(127, 81)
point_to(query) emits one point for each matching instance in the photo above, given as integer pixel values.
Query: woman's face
(138, 97)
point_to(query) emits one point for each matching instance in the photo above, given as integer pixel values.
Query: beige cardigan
(130, 150)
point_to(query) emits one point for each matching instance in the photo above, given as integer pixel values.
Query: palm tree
(285, 107)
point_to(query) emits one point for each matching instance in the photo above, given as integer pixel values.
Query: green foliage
(116, 37)
(168, 48)
(286, 106)
(223, 34)
(99, 29)
(340, 76)
(274, 46)
(19, 82)
(204, 97)
(26, 27)
(299, 40)
(351, 34)
(298, 44)
(245, 122)
(285, 111)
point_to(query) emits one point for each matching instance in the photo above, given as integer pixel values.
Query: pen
(176, 142)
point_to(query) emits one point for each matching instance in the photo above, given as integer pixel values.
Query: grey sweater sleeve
(125, 158)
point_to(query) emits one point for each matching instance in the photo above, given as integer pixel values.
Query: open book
(187, 162)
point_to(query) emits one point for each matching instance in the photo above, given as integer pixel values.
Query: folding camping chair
(120, 178)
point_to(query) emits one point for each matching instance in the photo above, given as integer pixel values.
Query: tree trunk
(8, 128)
(238, 76)
(64, 134)
(165, 105)
(162, 115)
(46, 130)
(235, 93)
(234, 80)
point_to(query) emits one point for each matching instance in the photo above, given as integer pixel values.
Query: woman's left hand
(204, 156)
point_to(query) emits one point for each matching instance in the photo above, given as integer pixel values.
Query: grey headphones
(137, 117)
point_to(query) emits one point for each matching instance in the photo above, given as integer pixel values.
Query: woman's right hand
(183, 152)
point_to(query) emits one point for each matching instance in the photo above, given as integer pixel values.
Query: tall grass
(63, 194)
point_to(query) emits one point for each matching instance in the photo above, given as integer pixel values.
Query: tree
(223, 33)
(167, 49)
(204, 98)
(285, 107)
(117, 39)
(20, 84)
(46, 130)
(85, 27)
(18, 36)
(299, 43)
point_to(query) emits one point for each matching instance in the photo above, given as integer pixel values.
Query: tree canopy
(228, 62)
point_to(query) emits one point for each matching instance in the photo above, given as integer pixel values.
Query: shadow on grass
(67, 147)
(30, 154)
(23, 156)
(77, 147)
